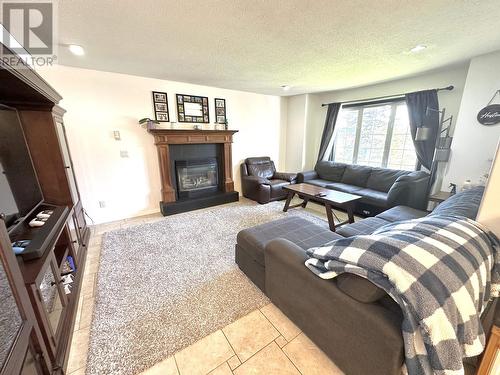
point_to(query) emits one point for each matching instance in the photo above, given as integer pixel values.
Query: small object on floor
(453, 190)
(19, 246)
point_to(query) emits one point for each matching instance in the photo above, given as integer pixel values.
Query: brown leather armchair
(261, 182)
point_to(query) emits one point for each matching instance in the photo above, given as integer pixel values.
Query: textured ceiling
(259, 45)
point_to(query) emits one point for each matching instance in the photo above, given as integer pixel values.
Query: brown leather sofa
(261, 182)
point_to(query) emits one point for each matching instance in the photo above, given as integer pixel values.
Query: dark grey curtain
(422, 112)
(331, 119)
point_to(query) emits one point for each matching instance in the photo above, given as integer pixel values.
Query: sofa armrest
(256, 188)
(290, 177)
(308, 175)
(409, 190)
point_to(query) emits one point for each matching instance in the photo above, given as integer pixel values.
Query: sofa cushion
(382, 179)
(374, 197)
(356, 175)
(318, 182)
(400, 213)
(300, 231)
(329, 170)
(359, 288)
(466, 203)
(265, 170)
(277, 188)
(339, 186)
(365, 226)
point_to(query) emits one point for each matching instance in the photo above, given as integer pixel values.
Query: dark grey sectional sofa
(380, 188)
(354, 322)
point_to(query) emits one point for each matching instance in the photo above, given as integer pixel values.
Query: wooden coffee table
(329, 198)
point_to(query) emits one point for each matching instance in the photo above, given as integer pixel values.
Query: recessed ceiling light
(285, 87)
(418, 48)
(75, 49)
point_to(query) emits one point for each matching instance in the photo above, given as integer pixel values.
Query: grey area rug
(162, 286)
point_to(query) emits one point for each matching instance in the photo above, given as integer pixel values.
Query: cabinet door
(18, 332)
(31, 363)
(74, 234)
(68, 163)
(52, 300)
(11, 320)
(81, 222)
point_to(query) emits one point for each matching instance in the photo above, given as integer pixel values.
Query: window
(374, 135)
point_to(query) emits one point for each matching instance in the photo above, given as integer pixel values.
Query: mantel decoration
(220, 110)
(160, 104)
(150, 124)
(192, 108)
(490, 115)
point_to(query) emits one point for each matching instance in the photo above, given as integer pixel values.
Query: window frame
(359, 108)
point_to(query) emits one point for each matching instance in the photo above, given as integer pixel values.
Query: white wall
(99, 102)
(295, 133)
(474, 144)
(489, 211)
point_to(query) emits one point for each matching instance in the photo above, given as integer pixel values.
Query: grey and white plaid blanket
(441, 271)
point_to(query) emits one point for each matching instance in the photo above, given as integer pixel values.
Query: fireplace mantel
(187, 136)
(163, 138)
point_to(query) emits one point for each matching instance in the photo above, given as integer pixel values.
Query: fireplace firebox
(197, 177)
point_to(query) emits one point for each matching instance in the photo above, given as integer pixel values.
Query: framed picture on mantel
(192, 108)
(160, 104)
(220, 110)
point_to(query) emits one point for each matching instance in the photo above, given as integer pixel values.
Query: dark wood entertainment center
(43, 314)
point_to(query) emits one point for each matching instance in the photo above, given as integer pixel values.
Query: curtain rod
(448, 88)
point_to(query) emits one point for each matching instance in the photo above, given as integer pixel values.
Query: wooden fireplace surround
(163, 138)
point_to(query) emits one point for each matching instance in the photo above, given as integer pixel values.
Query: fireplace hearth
(196, 178)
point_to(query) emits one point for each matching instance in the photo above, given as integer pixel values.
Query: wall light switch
(102, 204)
(116, 135)
(124, 153)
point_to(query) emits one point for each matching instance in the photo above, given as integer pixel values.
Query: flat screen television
(20, 191)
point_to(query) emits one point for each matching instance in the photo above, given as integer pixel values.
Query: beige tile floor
(262, 342)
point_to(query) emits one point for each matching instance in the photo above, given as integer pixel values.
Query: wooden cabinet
(42, 310)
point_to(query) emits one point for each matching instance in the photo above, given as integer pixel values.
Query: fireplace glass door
(196, 177)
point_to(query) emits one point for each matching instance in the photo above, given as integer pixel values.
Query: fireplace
(196, 177)
(196, 168)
